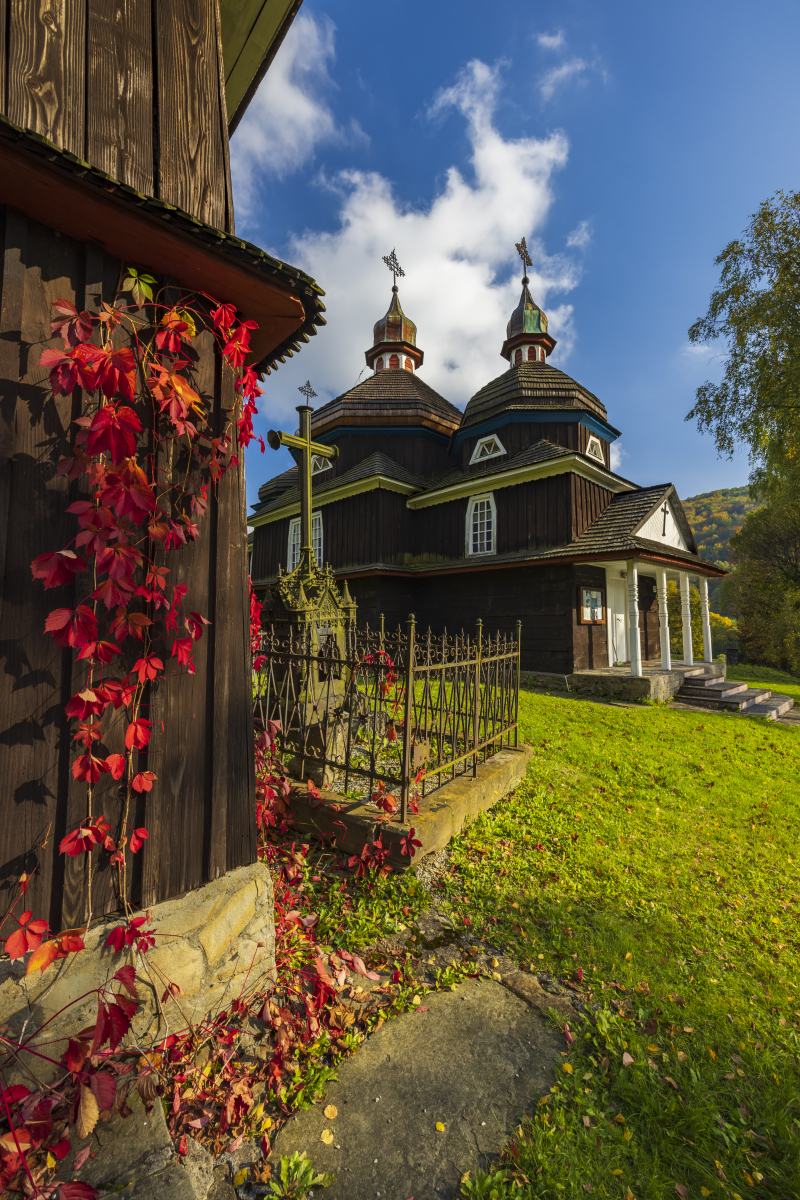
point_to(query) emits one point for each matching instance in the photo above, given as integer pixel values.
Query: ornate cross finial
(307, 391)
(394, 267)
(522, 251)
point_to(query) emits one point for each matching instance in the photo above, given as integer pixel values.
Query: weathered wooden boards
(201, 813)
(134, 87)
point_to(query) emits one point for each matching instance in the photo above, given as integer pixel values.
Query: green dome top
(527, 317)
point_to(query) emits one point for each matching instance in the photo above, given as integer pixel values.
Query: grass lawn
(652, 857)
(777, 681)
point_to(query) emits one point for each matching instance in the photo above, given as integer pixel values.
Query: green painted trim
(356, 488)
(249, 28)
(574, 464)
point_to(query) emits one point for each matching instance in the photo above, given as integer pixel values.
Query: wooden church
(508, 510)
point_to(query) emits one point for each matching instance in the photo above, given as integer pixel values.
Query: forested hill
(714, 516)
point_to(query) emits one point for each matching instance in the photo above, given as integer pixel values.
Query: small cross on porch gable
(665, 511)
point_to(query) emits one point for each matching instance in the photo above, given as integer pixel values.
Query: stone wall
(208, 942)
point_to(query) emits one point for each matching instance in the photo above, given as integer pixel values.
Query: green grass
(778, 681)
(657, 852)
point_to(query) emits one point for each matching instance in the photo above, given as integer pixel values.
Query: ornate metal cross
(394, 267)
(307, 448)
(665, 511)
(522, 251)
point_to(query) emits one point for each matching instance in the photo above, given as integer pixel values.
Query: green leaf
(140, 286)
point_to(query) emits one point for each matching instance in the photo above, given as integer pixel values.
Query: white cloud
(617, 453)
(699, 353)
(462, 275)
(552, 41)
(581, 236)
(288, 117)
(556, 77)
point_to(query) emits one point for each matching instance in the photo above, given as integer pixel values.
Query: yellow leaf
(240, 1177)
(465, 1177)
(326, 1136)
(331, 1112)
(566, 1068)
(713, 1055)
(704, 1191)
(258, 1111)
(619, 1119)
(88, 1113)
(439, 1127)
(688, 1029)
(652, 1049)
(495, 963)
(416, 999)
(51, 1162)
(628, 956)
(267, 1124)
(749, 1178)
(616, 1171)
(627, 1135)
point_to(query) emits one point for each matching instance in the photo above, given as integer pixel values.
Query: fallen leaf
(627, 1135)
(88, 1113)
(331, 1112)
(587, 1122)
(688, 1029)
(652, 1049)
(628, 956)
(439, 1127)
(667, 1079)
(422, 1008)
(682, 1190)
(240, 1177)
(416, 999)
(326, 1136)
(566, 1068)
(616, 1171)
(627, 1059)
(704, 1191)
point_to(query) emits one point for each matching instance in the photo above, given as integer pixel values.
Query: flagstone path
(432, 1094)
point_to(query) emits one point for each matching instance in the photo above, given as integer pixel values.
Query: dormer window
(595, 450)
(487, 447)
(318, 463)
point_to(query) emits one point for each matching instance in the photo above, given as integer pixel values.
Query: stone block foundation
(208, 942)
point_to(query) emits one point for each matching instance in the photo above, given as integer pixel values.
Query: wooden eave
(333, 493)
(252, 32)
(67, 194)
(570, 462)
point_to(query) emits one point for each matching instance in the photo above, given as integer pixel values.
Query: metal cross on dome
(522, 251)
(394, 267)
(307, 390)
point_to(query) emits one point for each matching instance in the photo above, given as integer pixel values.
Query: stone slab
(477, 1060)
(442, 814)
(652, 684)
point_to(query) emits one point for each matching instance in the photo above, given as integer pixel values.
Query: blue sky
(629, 142)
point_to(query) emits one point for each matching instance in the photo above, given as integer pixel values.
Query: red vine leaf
(143, 782)
(148, 667)
(89, 768)
(127, 977)
(77, 1191)
(61, 566)
(71, 627)
(73, 326)
(113, 430)
(27, 937)
(137, 735)
(139, 836)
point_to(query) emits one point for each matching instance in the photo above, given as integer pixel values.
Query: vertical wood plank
(3, 52)
(119, 90)
(191, 161)
(229, 225)
(47, 70)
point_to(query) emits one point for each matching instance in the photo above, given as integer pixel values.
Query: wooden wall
(587, 501)
(519, 435)
(135, 87)
(201, 812)
(589, 642)
(424, 456)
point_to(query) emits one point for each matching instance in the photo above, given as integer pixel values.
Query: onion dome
(394, 341)
(527, 339)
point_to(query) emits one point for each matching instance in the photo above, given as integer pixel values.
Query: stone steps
(770, 710)
(723, 696)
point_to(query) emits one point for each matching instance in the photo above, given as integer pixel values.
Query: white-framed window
(293, 554)
(594, 449)
(318, 463)
(481, 525)
(487, 447)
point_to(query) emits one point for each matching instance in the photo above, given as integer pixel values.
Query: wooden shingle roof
(392, 398)
(374, 464)
(530, 385)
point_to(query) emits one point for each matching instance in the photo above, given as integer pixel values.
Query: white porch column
(663, 620)
(633, 619)
(686, 621)
(707, 652)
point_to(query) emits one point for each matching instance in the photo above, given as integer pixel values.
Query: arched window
(379, 365)
(542, 354)
(481, 524)
(517, 357)
(409, 365)
(532, 353)
(293, 554)
(394, 362)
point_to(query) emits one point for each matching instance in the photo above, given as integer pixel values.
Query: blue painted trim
(537, 417)
(403, 431)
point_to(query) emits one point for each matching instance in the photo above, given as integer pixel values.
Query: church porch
(653, 683)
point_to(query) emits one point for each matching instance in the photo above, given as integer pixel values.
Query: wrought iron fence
(373, 713)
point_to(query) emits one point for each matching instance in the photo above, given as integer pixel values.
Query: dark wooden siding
(424, 456)
(587, 501)
(520, 435)
(201, 814)
(132, 86)
(589, 642)
(533, 515)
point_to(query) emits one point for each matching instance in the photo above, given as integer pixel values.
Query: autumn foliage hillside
(715, 517)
